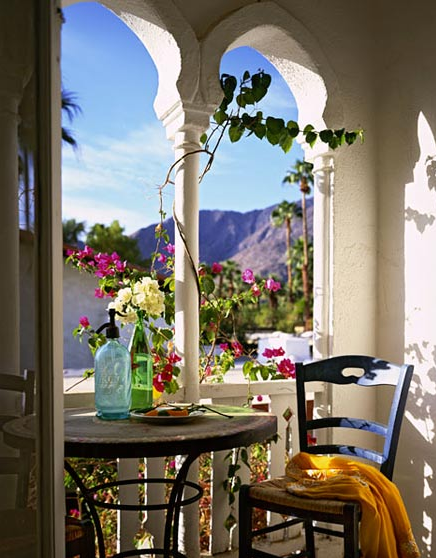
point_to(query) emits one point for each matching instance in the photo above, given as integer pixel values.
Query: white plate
(170, 419)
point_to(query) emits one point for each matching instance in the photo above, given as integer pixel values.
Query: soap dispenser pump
(112, 375)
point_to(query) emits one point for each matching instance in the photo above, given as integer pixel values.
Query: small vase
(142, 367)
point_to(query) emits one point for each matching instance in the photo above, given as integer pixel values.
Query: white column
(16, 62)
(9, 230)
(186, 216)
(185, 122)
(322, 265)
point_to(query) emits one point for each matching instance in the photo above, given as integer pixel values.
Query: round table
(86, 435)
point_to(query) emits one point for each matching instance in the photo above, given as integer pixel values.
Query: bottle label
(142, 381)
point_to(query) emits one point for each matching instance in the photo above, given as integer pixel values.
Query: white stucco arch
(287, 44)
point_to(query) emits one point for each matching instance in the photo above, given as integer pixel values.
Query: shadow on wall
(418, 438)
(418, 463)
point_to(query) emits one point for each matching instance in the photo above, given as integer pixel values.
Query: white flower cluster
(143, 295)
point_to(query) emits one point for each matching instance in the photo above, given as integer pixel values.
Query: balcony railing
(279, 395)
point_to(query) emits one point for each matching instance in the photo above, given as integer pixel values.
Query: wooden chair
(18, 465)
(272, 495)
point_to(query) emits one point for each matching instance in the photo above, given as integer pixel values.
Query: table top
(88, 436)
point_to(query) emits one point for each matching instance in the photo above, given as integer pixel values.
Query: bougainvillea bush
(134, 292)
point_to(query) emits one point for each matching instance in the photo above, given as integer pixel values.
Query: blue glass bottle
(112, 375)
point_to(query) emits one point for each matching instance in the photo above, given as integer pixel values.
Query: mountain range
(249, 239)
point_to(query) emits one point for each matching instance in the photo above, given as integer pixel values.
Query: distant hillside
(247, 238)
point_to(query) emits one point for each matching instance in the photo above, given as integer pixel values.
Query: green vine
(238, 122)
(232, 484)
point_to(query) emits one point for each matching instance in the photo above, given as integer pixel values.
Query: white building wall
(79, 300)
(407, 236)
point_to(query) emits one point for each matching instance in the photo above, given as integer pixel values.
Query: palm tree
(228, 275)
(283, 215)
(301, 174)
(72, 230)
(70, 109)
(26, 134)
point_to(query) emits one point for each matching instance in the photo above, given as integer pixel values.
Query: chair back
(19, 465)
(365, 372)
(22, 384)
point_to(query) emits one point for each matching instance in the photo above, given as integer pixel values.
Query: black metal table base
(173, 507)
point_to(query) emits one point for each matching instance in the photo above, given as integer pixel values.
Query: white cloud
(130, 219)
(117, 178)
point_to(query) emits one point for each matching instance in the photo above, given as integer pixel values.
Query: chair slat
(344, 422)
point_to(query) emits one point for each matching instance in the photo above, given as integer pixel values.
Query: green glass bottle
(142, 367)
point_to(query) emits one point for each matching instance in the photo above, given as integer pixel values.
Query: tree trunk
(289, 259)
(305, 268)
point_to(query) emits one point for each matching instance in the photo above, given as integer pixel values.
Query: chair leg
(351, 534)
(310, 540)
(245, 523)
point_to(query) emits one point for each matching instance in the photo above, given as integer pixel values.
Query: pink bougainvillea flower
(103, 259)
(167, 373)
(173, 358)
(224, 346)
(272, 285)
(83, 321)
(70, 252)
(170, 248)
(270, 353)
(255, 290)
(237, 348)
(286, 368)
(115, 257)
(172, 464)
(216, 268)
(85, 253)
(158, 383)
(120, 266)
(99, 293)
(208, 371)
(162, 258)
(248, 276)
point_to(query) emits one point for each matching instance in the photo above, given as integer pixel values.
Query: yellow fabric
(385, 530)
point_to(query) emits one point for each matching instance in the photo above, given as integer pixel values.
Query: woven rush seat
(274, 491)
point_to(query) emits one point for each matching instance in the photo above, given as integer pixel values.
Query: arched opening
(289, 47)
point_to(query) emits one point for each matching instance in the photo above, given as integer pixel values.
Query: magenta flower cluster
(270, 284)
(101, 264)
(285, 367)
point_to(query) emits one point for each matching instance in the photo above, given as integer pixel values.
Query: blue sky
(123, 152)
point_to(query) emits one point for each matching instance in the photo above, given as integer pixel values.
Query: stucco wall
(79, 300)
(407, 236)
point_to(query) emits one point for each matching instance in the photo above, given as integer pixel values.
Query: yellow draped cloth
(385, 530)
